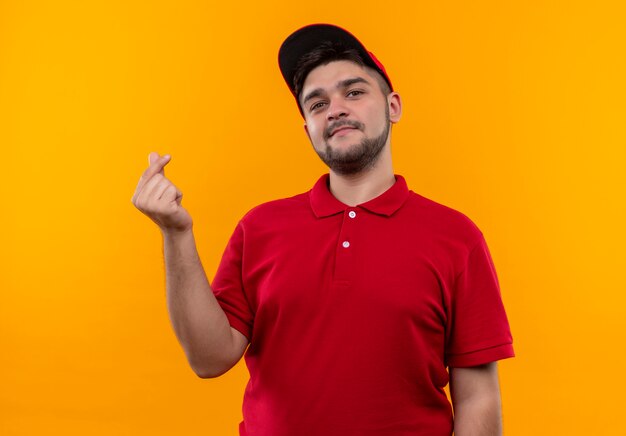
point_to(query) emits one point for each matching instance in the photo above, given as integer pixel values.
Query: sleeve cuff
(239, 325)
(480, 357)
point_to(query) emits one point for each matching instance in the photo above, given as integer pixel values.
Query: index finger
(155, 167)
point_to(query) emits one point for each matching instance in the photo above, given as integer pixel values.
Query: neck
(354, 189)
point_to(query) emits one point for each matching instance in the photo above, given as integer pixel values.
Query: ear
(395, 106)
(306, 130)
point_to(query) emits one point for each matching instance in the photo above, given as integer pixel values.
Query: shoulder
(276, 211)
(442, 220)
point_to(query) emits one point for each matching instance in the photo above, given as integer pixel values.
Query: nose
(336, 110)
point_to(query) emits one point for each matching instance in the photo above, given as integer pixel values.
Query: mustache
(341, 123)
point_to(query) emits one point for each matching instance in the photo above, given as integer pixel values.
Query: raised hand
(159, 199)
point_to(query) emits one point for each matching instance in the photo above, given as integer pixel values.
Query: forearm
(198, 321)
(475, 393)
(480, 416)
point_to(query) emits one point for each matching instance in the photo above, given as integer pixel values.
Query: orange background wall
(514, 113)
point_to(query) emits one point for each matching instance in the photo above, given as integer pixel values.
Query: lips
(341, 128)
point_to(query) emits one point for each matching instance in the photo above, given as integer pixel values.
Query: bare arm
(475, 393)
(211, 345)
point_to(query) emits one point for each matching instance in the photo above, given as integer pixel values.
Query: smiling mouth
(342, 129)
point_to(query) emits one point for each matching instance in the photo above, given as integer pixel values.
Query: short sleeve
(477, 329)
(228, 286)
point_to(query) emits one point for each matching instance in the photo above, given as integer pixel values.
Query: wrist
(177, 234)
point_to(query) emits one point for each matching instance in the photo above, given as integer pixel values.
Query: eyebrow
(341, 84)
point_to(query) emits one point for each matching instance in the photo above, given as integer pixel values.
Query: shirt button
(345, 244)
(352, 214)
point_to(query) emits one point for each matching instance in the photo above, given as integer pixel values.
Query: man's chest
(351, 271)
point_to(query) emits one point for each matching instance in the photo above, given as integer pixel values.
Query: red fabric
(357, 339)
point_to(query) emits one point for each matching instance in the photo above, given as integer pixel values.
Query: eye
(316, 105)
(354, 92)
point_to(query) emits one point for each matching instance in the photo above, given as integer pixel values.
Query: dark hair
(326, 53)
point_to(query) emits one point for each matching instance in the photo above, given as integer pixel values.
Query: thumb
(153, 157)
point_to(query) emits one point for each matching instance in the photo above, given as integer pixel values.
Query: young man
(359, 299)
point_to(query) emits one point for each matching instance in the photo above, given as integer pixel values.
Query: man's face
(346, 114)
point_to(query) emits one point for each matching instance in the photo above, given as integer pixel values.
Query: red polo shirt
(354, 313)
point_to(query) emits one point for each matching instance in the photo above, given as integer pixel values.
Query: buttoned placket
(346, 244)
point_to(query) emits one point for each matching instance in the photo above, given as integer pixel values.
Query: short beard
(357, 157)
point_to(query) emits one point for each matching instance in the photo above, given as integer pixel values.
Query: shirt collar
(324, 203)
